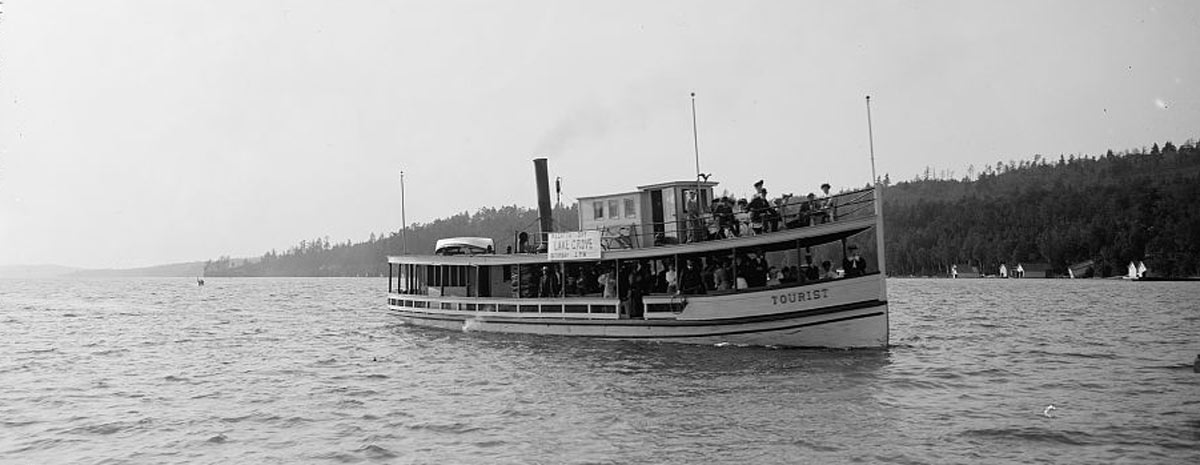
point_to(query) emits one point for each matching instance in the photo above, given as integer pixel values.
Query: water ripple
(315, 370)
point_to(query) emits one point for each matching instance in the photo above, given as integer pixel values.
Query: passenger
(635, 289)
(854, 264)
(695, 226)
(809, 271)
(787, 211)
(548, 284)
(810, 209)
(787, 275)
(671, 277)
(743, 218)
(608, 282)
(725, 218)
(707, 273)
(571, 286)
(827, 271)
(712, 222)
(758, 211)
(691, 283)
(826, 204)
(720, 277)
(773, 276)
(755, 270)
(738, 271)
(770, 216)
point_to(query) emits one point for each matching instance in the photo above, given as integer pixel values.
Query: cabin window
(630, 209)
(692, 199)
(613, 209)
(598, 210)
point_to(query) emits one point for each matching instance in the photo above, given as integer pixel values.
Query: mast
(696, 148)
(696, 145)
(403, 221)
(881, 257)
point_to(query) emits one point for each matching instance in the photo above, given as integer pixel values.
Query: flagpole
(696, 145)
(878, 191)
(871, 139)
(403, 220)
(696, 148)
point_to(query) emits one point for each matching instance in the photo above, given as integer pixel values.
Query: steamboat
(666, 263)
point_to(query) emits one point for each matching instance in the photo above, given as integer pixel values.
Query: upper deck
(845, 214)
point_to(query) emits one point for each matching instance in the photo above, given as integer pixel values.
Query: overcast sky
(136, 133)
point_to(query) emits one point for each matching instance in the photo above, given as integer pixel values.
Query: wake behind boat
(667, 262)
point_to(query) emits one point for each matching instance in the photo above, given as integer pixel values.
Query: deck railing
(789, 212)
(578, 307)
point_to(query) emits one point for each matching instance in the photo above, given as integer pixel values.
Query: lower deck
(837, 313)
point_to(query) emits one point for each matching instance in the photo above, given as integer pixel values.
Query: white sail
(1141, 270)
(1132, 274)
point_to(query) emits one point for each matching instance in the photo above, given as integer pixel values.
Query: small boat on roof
(464, 246)
(660, 264)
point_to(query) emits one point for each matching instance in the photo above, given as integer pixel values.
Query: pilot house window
(630, 210)
(613, 212)
(598, 210)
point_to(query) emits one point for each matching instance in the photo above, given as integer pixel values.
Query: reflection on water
(315, 370)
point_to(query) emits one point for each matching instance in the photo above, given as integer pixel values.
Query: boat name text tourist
(799, 296)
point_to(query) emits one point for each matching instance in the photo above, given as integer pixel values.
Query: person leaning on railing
(825, 204)
(758, 211)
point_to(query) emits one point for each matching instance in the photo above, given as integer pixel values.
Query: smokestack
(545, 214)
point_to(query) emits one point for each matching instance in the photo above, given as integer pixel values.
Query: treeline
(319, 257)
(1139, 205)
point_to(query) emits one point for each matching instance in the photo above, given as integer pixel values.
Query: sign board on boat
(575, 245)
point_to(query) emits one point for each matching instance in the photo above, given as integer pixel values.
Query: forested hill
(1111, 209)
(319, 257)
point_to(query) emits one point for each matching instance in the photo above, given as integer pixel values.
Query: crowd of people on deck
(729, 217)
(726, 217)
(694, 275)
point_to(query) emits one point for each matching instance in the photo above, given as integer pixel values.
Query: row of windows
(614, 210)
(411, 277)
(507, 308)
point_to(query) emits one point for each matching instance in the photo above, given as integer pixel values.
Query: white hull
(844, 313)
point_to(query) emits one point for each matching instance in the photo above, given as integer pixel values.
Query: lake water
(317, 371)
